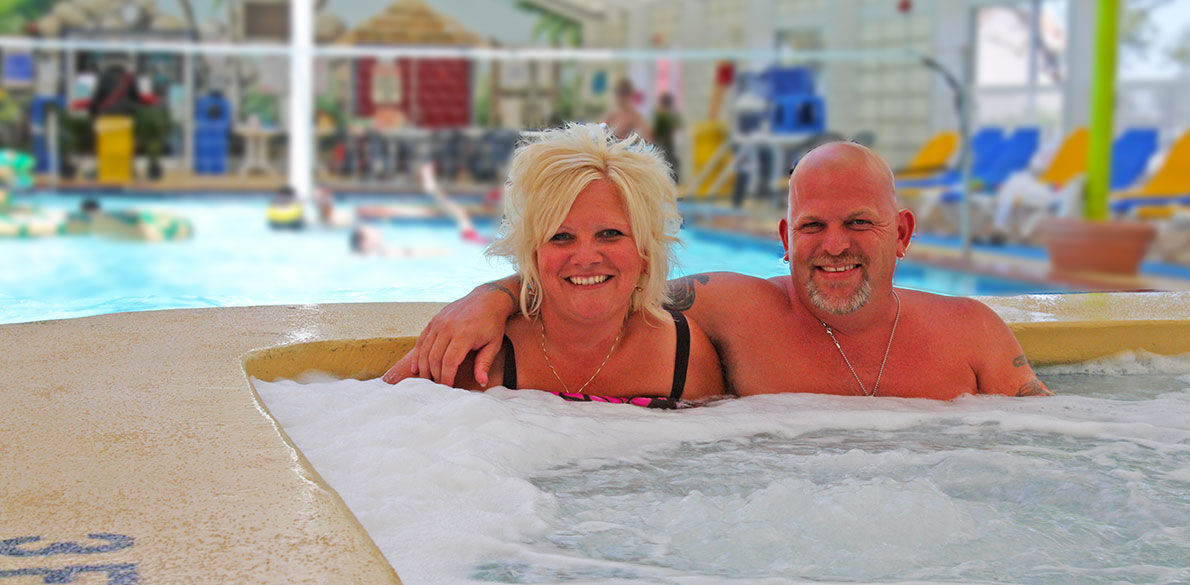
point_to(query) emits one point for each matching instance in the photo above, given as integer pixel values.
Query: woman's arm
(474, 323)
(403, 369)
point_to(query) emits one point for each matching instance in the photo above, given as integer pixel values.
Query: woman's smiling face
(590, 266)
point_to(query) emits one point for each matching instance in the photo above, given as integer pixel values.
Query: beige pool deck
(135, 451)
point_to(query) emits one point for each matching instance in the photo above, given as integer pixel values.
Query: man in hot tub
(834, 325)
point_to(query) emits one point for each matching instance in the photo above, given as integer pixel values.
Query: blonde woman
(589, 226)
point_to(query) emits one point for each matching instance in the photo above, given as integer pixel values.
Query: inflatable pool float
(31, 223)
(16, 168)
(286, 217)
(145, 226)
(140, 451)
(148, 226)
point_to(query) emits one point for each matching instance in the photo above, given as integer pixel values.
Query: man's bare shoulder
(960, 316)
(941, 302)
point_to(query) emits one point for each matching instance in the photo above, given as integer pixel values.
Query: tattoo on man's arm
(681, 292)
(1033, 387)
(504, 289)
(1020, 361)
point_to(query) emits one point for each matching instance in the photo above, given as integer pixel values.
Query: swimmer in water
(368, 241)
(285, 211)
(328, 216)
(835, 324)
(590, 223)
(430, 185)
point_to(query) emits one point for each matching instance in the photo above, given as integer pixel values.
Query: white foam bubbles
(518, 486)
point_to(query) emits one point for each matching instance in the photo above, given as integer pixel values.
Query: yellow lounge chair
(1173, 178)
(933, 157)
(1070, 161)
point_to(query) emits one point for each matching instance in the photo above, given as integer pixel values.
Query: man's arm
(472, 323)
(714, 298)
(999, 362)
(476, 321)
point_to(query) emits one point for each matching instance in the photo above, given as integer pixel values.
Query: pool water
(234, 259)
(1090, 486)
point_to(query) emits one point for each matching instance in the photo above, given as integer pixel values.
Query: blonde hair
(545, 178)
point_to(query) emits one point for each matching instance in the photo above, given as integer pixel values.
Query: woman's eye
(610, 233)
(561, 237)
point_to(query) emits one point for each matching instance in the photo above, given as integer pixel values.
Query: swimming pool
(507, 486)
(234, 259)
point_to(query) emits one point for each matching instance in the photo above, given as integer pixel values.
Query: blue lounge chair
(1014, 155)
(986, 145)
(936, 212)
(1130, 156)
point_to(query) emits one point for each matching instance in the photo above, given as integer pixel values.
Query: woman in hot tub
(589, 224)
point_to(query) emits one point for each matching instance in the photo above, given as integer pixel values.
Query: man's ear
(783, 229)
(906, 223)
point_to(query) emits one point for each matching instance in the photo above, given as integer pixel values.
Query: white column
(301, 96)
(1080, 45)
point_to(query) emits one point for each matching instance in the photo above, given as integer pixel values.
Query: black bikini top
(681, 361)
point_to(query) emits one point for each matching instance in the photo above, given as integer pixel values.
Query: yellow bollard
(114, 149)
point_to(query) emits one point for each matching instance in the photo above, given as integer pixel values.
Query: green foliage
(77, 135)
(1135, 28)
(11, 110)
(483, 101)
(569, 87)
(1180, 51)
(333, 107)
(152, 125)
(557, 29)
(266, 107)
(16, 14)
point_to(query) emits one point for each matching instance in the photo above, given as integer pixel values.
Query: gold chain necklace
(597, 370)
(879, 374)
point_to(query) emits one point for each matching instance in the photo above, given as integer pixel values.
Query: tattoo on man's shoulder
(1020, 361)
(1033, 387)
(681, 291)
(500, 287)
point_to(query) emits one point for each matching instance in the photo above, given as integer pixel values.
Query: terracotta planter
(1113, 247)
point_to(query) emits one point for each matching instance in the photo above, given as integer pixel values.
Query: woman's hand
(472, 323)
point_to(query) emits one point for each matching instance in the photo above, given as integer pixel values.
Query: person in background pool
(431, 186)
(285, 212)
(328, 216)
(625, 119)
(368, 241)
(835, 324)
(589, 224)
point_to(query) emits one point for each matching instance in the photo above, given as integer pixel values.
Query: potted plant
(1094, 243)
(76, 136)
(152, 130)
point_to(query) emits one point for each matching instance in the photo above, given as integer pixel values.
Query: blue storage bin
(791, 80)
(212, 128)
(799, 114)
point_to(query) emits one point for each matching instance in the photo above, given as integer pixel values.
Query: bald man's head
(843, 165)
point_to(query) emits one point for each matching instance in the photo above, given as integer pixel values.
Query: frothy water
(1091, 486)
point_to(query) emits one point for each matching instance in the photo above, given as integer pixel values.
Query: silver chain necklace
(879, 374)
(597, 370)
